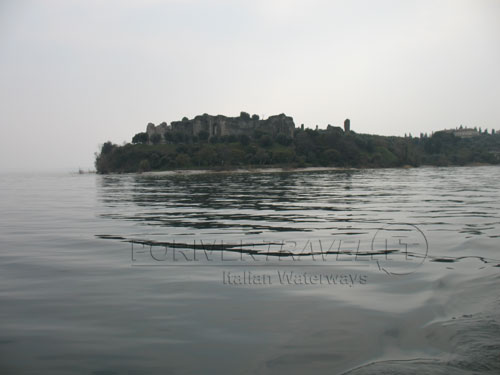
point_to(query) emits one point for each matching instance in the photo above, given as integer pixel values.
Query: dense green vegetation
(327, 148)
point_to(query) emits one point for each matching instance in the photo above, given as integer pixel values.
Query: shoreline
(185, 172)
(240, 170)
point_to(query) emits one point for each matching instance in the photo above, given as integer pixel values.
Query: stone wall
(160, 129)
(220, 126)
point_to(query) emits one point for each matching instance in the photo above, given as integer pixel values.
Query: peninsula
(220, 142)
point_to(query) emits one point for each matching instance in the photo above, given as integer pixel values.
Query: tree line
(329, 148)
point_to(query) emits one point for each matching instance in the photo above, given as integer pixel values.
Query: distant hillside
(219, 142)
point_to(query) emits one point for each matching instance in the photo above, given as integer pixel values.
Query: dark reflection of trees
(237, 191)
(244, 201)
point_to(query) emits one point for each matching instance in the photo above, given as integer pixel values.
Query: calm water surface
(359, 272)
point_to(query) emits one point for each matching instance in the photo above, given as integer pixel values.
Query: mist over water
(358, 271)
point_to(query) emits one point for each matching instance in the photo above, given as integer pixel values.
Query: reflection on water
(347, 200)
(327, 272)
(237, 211)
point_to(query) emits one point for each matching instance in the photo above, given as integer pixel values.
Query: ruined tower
(347, 125)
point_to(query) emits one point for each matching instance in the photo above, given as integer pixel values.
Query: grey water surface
(322, 272)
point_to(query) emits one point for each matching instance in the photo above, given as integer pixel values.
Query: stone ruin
(220, 126)
(347, 125)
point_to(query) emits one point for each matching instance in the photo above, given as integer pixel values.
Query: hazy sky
(74, 74)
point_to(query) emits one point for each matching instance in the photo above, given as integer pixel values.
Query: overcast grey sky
(77, 73)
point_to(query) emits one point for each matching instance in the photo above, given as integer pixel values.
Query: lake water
(325, 272)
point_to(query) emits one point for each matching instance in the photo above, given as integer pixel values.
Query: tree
(206, 155)
(155, 139)
(283, 156)
(107, 147)
(266, 141)
(244, 139)
(261, 157)
(140, 138)
(331, 156)
(257, 133)
(178, 136)
(255, 117)
(182, 160)
(144, 166)
(283, 140)
(169, 137)
(203, 135)
(245, 116)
